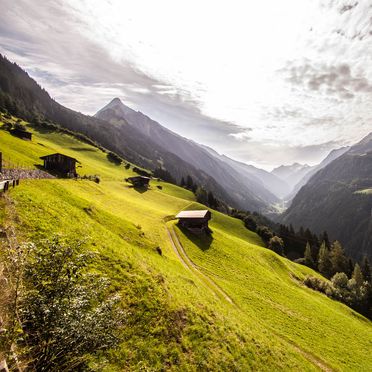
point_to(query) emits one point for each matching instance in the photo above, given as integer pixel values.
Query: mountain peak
(116, 105)
(116, 101)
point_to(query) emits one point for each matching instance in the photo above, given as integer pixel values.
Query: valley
(231, 287)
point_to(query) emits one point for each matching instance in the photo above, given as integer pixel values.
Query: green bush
(66, 312)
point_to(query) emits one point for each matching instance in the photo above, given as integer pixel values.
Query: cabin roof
(20, 130)
(139, 178)
(193, 214)
(57, 153)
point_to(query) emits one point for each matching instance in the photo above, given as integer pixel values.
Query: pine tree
(308, 256)
(366, 269)
(183, 183)
(324, 238)
(338, 259)
(324, 261)
(358, 276)
(350, 268)
(189, 182)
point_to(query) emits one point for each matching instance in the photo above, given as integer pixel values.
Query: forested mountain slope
(333, 200)
(239, 183)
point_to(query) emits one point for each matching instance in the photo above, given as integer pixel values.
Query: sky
(267, 82)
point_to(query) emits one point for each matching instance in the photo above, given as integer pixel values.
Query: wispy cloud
(260, 89)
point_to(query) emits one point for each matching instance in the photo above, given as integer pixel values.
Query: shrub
(276, 244)
(66, 312)
(317, 284)
(265, 233)
(114, 158)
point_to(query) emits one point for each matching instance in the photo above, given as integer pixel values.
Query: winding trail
(189, 264)
(220, 293)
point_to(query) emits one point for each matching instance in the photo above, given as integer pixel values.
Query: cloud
(242, 136)
(348, 7)
(228, 96)
(332, 80)
(48, 41)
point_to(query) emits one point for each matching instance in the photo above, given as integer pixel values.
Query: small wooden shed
(62, 164)
(139, 181)
(194, 219)
(20, 133)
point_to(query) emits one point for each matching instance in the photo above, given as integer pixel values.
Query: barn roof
(193, 214)
(57, 153)
(139, 178)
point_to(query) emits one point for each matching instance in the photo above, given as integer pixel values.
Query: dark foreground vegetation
(59, 311)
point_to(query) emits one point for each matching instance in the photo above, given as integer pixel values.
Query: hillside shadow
(202, 240)
(84, 149)
(139, 189)
(42, 129)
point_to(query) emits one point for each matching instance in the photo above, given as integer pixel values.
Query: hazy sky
(267, 82)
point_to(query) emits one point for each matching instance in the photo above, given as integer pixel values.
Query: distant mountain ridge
(333, 155)
(135, 137)
(238, 179)
(291, 174)
(335, 199)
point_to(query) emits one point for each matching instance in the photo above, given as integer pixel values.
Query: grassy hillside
(224, 303)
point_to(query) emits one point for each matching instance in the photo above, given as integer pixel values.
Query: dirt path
(220, 293)
(189, 264)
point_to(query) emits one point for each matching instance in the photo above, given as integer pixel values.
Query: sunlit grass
(273, 310)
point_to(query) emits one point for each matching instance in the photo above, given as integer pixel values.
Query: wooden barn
(197, 220)
(62, 164)
(20, 133)
(139, 181)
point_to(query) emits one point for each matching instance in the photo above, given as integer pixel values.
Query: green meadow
(177, 318)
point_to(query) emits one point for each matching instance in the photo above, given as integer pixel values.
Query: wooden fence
(6, 184)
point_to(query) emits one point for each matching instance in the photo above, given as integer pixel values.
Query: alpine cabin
(61, 164)
(139, 181)
(194, 220)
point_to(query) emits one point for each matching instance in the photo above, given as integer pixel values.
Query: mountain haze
(291, 174)
(333, 155)
(338, 199)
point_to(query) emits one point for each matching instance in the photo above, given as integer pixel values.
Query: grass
(175, 320)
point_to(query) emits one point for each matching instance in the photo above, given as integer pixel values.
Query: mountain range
(338, 199)
(135, 137)
(333, 195)
(242, 180)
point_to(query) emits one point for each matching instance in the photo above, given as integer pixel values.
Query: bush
(265, 233)
(317, 284)
(276, 244)
(66, 312)
(114, 158)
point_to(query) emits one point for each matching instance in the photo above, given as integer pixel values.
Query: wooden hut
(139, 181)
(61, 164)
(197, 220)
(20, 133)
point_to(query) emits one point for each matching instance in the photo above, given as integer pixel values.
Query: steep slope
(175, 319)
(21, 95)
(238, 183)
(333, 155)
(332, 201)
